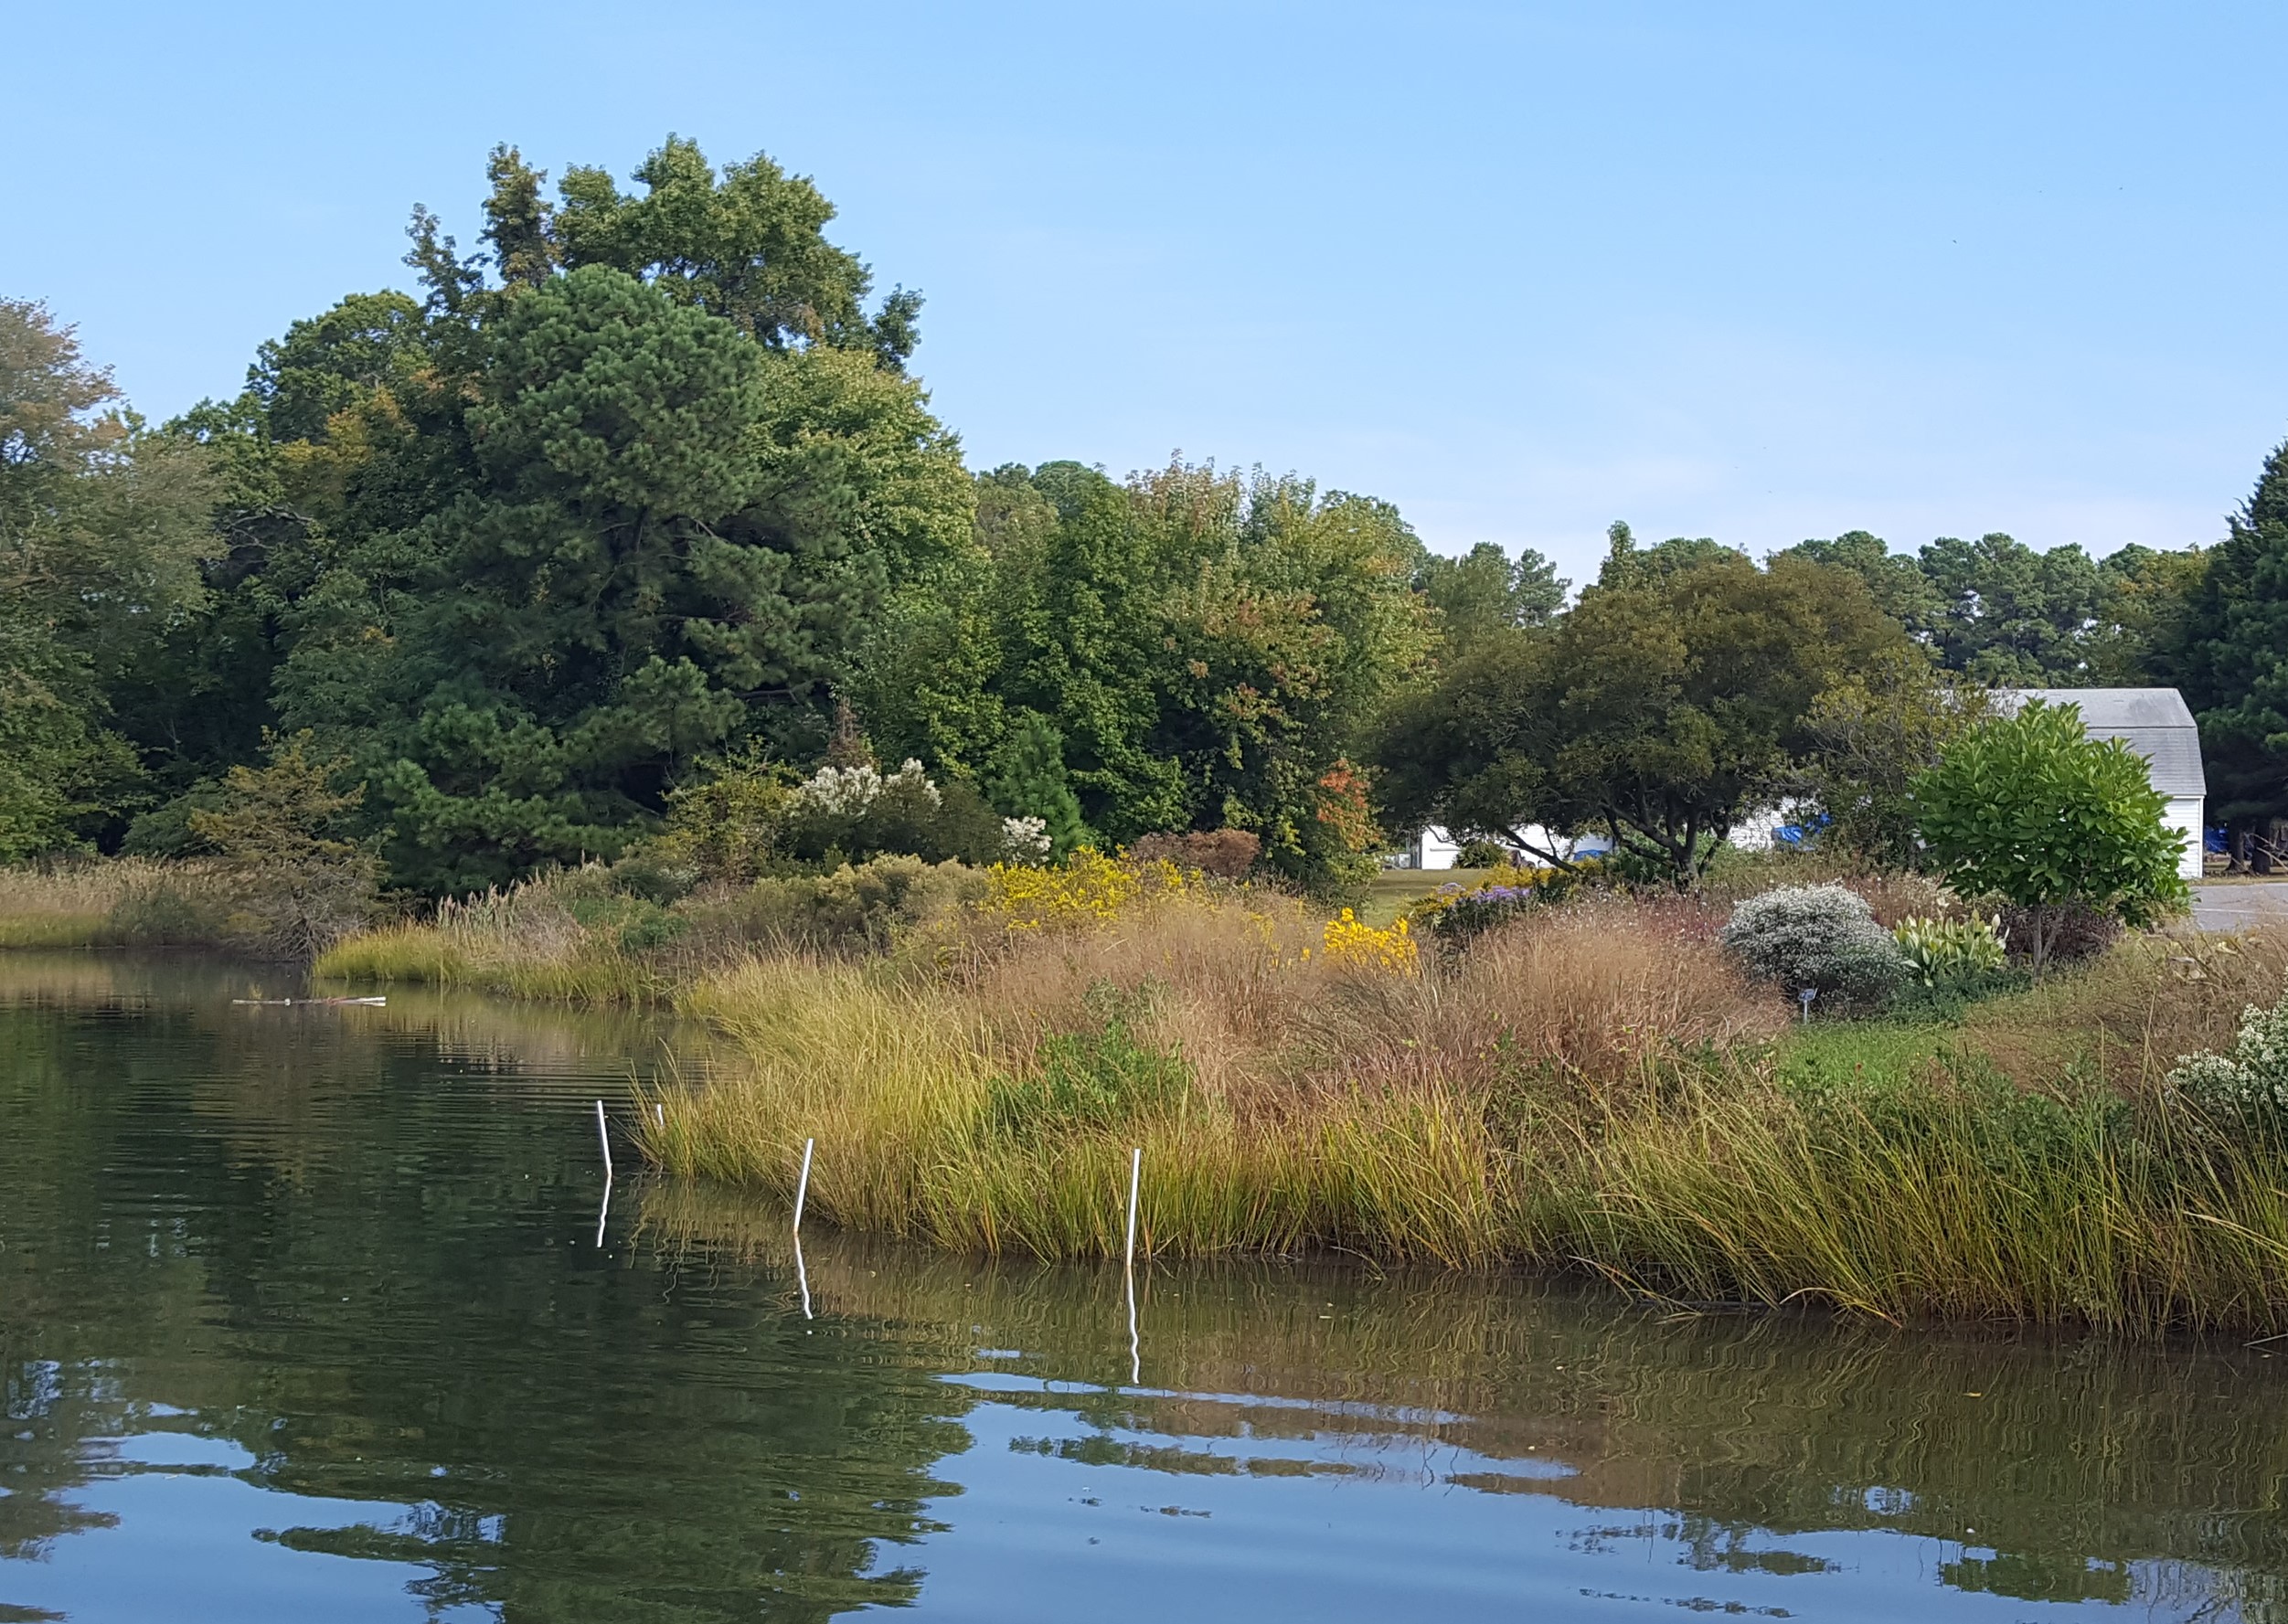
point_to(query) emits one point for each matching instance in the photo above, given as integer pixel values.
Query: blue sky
(1752, 270)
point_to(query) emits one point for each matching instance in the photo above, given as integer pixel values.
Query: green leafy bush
(637, 924)
(851, 813)
(726, 826)
(1950, 952)
(1824, 937)
(2029, 808)
(854, 909)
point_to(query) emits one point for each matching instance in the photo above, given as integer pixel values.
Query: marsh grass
(120, 902)
(1314, 1105)
(563, 938)
(1593, 1087)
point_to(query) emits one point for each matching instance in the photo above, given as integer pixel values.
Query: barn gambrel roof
(2155, 722)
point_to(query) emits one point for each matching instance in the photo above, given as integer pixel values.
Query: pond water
(303, 1315)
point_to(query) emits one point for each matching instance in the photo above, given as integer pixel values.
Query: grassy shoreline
(1594, 1088)
(123, 902)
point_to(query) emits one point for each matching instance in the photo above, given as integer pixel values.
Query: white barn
(2155, 723)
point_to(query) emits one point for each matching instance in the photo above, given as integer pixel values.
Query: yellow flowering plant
(1349, 940)
(1087, 889)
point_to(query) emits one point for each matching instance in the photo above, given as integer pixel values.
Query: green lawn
(1390, 892)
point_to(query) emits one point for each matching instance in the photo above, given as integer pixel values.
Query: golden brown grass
(2124, 1018)
(1329, 1106)
(1592, 1086)
(119, 902)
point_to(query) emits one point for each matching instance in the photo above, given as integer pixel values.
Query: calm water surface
(302, 1315)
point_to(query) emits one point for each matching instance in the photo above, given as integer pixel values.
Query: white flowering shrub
(2253, 1077)
(1824, 937)
(1026, 839)
(851, 791)
(847, 814)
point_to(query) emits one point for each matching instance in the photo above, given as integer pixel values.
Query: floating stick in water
(604, 1138)
(802, 1186)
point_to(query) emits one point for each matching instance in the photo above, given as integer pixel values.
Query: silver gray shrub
(1821, 937)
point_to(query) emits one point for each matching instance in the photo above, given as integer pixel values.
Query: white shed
(1435, 848)
(2155, 723)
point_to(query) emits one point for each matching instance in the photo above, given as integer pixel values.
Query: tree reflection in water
(342, 1258)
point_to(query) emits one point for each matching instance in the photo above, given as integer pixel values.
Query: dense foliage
(611, 533)
(1818, 943)
(1666, 704)
(2235, 666)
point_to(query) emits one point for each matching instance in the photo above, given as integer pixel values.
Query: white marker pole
(802, 1186)
(604, 1138)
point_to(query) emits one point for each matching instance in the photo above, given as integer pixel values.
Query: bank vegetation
(1591, 1080)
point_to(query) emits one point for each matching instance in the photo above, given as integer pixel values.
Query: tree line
(641, 490)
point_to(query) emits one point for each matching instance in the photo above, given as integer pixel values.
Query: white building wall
(1435, 848)
(2184, 815)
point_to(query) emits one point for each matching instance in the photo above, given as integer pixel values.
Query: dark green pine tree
(2234, 666)
(613, 592)
(1029, 782)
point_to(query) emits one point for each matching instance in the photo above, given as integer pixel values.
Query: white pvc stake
(1135, 1172)
(802, 1186)
(604, 1211)
(659, 1115)
(1135, 1348)
(801, 1189)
